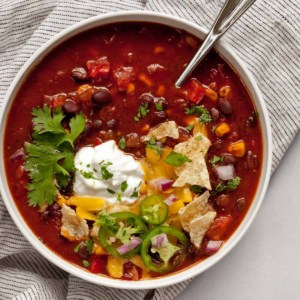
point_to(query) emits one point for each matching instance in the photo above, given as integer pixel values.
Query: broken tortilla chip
(194, 172)
(199, 227)
(197, 208)
(166, 129)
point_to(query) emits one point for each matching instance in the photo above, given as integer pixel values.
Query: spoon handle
(229, 14)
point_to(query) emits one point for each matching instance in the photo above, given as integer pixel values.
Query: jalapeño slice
(157, 264)
(125, 223)
(154, 210)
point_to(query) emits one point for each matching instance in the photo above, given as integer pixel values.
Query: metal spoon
(229, 14)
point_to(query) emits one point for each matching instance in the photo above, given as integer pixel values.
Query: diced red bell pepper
(57, 100)
(123, 76)
(194, 91)
(98, 264)
(98, 69)
(219, 227)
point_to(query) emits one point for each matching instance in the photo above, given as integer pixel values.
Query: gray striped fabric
(267, 39)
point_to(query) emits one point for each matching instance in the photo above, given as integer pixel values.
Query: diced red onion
(213, 246)
(161, 184)
(159, 240)
(125, 248)
(225, 172)
(171, 200)
(18, 155)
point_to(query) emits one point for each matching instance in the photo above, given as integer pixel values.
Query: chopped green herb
(213, 129)
(199, 137)
(159, 106)
(88, 165)
(104, 172)
(214, 159)
(89, 245)
(135, 193)
(88, 175)
(76, 249)
(111, 191)
(122, 143)
(201, 112)
(107, 220)
(50, 156)
(176, 159)
(124, 186)
(196, 189)
(119, 196)
(157, 148)
(143, 111)
(152, 141)
(230, 185)
(86, 263)
(255, 114)
(190, 127)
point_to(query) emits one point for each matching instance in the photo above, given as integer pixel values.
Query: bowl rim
(231, 58)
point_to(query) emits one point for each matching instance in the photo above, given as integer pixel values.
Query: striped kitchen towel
(266, 38)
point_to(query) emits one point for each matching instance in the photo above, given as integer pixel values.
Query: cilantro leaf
(122, 143)
(231, 184)
(196, 189)
(124, 234)
(107, 220)
(176, 159)
(157, 148)
(214, 159)
(143, 111)
(104, 172)
(190, 127)
(50, 157)
(159, 106)
(124, 186)
(201, 112)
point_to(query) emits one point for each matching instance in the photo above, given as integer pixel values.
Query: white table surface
(266, 263)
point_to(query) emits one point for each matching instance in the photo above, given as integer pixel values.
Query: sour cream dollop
(107, 172)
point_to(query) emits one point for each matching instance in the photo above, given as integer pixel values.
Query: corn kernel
(146, 274)
(213, 95)
(98, 249)
(145, 79)
(200, 128)
(161, 90)
(238, 148)
(83, 88)
(191, 41)
(225, 91)
(143, 188)
(222, 129)
(87, 203)
(159, 50)
(115, 266)
(187, 195)
(174, 208)
(130, 88)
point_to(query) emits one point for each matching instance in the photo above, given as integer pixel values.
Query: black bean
(102, 97)
(71, 107)
(229, 159)
(87, 129)
(251, 121)
(83, 251)
(184, 134)
(55, 213)
(251, 160)
(240, 203)
(111, 123)
(215, 114)
(223, 200)
(225, 107)
(158, 117)
(218, 144)
(97, 124)
(79, 75)
(54, 207)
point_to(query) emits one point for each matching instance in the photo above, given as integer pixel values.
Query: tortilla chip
(199, 227)
(197, 208)
(166, 129)
(194, 172)
(73, 227)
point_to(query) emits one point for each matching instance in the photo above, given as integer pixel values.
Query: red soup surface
(121, 77)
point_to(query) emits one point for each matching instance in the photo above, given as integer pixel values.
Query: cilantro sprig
(201, 112)
(231, 185)
(176, 159)
(143, 111)
(50, 157)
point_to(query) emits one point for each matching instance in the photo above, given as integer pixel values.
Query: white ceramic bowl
(228, 54)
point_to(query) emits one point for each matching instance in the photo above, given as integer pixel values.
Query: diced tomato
(219, 227)
(98, 69)
(123, 76)
(98, 264)
(58, 100)
(194, 91)
(132, 274)
(97, 141)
